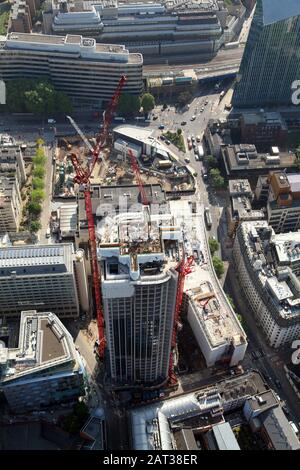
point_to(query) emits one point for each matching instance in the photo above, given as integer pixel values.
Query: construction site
(114, 167)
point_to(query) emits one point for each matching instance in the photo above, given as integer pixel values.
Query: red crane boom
(136, 170)
(83, 178)
(183, 268)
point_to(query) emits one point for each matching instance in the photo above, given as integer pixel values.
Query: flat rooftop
(44, 343)
(120, 196)
(36, 259)
(87, 47)
(52, 346)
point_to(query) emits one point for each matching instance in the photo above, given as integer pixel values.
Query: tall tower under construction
(139, 252)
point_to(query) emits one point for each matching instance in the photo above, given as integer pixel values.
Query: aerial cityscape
(149, 227)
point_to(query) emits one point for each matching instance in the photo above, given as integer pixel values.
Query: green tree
(147, 102)
(63, 103)
(179, 131)
(213, 245)
(129, 105)
(211, 161)
(34, 208)
(37, 195)
(35, 226)
(39, 159)
(39, 171)
(218, 266)
(38, 183)
(218, 181)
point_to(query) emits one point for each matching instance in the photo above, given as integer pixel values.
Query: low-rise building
(240, 209)
(42, 276)
(273, 291)
(244, 161)
(45, 369)
(263, 129)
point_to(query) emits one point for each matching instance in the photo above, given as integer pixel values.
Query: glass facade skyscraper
(271, 61)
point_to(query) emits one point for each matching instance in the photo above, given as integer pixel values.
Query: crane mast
(183, 269)
(82, 177)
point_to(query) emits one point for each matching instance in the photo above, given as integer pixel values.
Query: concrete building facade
(37, 277)
(87, 72)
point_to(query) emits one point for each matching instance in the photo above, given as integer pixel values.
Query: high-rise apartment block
(42, 277)
(45, 369)
(271, 61)
(76, 65)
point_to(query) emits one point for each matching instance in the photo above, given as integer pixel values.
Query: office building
(244, 160)
(40, 277)
(138, 254)
(240, 208)
(151, 28)
(86, 71)
(45, 369)
(271, 62)
(280, 193)
(268, 282)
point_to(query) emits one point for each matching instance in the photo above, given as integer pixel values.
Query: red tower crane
(183, 269)
(83, 178)
(136, 170)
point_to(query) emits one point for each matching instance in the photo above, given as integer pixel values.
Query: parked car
(161, 126)
(162, 137)
(187, 160)
(168, 142)
(183, 123)
(193, 117)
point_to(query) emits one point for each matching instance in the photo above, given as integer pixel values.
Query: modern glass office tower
(271, 61)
